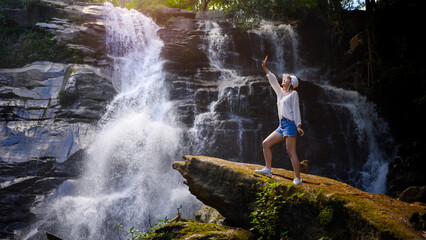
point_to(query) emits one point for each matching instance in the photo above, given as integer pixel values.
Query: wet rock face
(47, 109)
(41, 129)
(24, 185)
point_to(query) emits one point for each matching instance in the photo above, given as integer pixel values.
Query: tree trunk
(205, 5)
(369, 5)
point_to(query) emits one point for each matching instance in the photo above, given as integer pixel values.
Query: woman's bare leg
(272, 139)
(291, 151)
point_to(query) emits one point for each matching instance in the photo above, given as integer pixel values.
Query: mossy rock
(321, 207)
(196, 230)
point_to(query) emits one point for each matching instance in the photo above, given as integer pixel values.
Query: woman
(290, 122)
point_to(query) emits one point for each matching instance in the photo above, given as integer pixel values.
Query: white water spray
(285, 45)
(127, 177)
(371, 131)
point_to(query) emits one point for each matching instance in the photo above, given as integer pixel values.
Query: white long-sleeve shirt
(287, 103)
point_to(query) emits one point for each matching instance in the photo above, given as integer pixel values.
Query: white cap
(294, 81)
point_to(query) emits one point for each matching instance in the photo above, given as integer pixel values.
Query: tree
(370, 5)
(205, 5)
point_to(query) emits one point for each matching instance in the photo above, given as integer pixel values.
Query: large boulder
(320, 207)
(407, 169)
(414, 194)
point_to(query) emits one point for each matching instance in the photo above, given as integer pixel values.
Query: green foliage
(134, 234)
(353, 4)
(23, 45)
(271, 202)
(91, 1)
(249, 13)
(325, 216)
(19, 3)
(76, 18)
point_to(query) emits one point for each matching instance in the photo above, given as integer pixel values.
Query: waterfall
(221, 131)
(284, 47)
(351, 143)
(127, 177)
(367, 129)
(371, 132)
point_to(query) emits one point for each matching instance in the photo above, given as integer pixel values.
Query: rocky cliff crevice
(321, 207)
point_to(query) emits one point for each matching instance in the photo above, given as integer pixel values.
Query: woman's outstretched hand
(264, 62)
(264, 65)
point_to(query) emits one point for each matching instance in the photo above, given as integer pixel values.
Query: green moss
(325, 216)
(30, 86)
(272, 201)
(76, 18)
(322, 207)
(196, 230)
(67, 99)
(276, 199)
(374, 212)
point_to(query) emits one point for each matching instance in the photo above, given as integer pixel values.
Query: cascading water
(345, 138)
(284, 45)
(201, 134)
(369, 131)
(128, 177)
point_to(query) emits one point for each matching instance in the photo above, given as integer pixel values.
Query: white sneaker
(297, 181)
(264, 172)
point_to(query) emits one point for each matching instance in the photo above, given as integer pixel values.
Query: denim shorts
(287, 128)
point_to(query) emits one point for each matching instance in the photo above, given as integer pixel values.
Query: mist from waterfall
(127, 178)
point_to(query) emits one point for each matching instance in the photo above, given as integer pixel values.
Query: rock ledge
(232, 189)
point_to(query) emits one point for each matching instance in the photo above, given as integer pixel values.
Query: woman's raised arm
(264, 65)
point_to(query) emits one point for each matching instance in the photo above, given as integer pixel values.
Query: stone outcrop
(195, 230)
(81, 26)
(231, 188)
(407, 169)
(414, 194)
